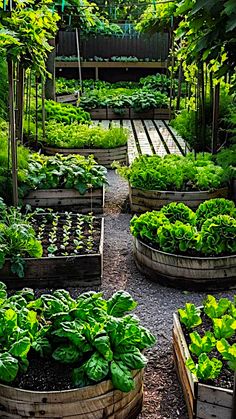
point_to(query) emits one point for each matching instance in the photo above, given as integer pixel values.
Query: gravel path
(163, 395)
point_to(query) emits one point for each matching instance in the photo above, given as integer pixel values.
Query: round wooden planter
(104, 156)
(100, 401)
(142, 200)
(185, 272)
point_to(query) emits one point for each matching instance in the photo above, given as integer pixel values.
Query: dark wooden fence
(141, 46)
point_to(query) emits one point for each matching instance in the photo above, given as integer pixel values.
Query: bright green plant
(95, 335)
(206, 368)
(190, 316)
(146, 226)
(80, 136)
(200, 344)
(217, 236)
(172, 172)
(228, 352)
(17, 239)
(65, 113)
(224, 327)
(215, 309)
(73, 171)
(177, 211)
(177, 237)
(213, 207)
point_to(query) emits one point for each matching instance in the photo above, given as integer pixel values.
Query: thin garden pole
(215, 122)
(12, 132)
(78, 57)
(36, 110)
(43, 109)
(234, 399)
(19, 102)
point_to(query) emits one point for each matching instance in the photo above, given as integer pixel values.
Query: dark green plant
(177, 238)
(96, 335)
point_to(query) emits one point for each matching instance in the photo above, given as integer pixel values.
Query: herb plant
(94, 334)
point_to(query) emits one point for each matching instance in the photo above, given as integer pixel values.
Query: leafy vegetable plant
(190, 316)
(200, 344)
(215, 309)
(228, 352)
(206, 368)
(96, 335)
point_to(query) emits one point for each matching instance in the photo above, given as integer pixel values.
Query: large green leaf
(8, 367)
(97, 367)
(20, 348)
(120, 303)
(66, 354)
(121, 377)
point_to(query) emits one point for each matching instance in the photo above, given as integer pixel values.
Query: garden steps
(149, 136)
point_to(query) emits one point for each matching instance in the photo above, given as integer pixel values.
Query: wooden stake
(19, 102)
(50, 91)
(234, 399)
(215, 122)
(12, 132)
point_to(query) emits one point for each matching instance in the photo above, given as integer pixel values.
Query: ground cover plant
(175, 173)
(84, 136)
(176, 229)
(95, 339)
(210, 335)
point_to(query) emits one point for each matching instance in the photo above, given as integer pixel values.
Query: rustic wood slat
(132, 147)
(183, 144)
(105, 123)
(100, 401)
(170, 143)
(208, 401)
(116, 123)
(142, 138)
(111, 64)
(155, 138)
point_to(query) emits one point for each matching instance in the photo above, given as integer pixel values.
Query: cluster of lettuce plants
(95, 335)
(176, 229)
(210, 332)
(84, 136)
(175, 173)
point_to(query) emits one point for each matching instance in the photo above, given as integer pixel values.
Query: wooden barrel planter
(103, 156)
(130, 113)
(203, 401)
(142, 200)
(91, 201)
(58, 271)
(100, 401)
(185, 272)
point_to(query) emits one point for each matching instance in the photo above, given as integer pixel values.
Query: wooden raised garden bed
(91, 201)
(59, 271)
(103, 156)
(185, 272)
(142, 200)
(203, 401)
(99, 401)
(108, 113)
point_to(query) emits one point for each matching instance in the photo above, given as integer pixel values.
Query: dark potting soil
(226, 377)
(69, 250)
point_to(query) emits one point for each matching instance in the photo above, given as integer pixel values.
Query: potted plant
(64, 357)
(50, 249)
(155, 181)
(186, 249)
(204, 354)
(106, 145)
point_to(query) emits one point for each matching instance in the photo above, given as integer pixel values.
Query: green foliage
(68, 114)
(73, 171)
(17, 239)
(226, 158)
(228, 352)
(215, 309)
(217, 236)
(174, 173)
(200, 344)
(25, 34)
(190, 316)
(80, 136)
(185, 125)
(213, 207)
(3, 87)
(206, 368)
(157, 18)
(95, 335)
(224, 327)
(173, 229)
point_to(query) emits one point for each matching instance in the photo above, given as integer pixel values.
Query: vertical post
(179, 86)
(78, 57)
(234, 399)
(12, 132)
(19, 102)
(50, 91)
(43, 109)
(215, 122)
